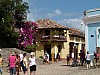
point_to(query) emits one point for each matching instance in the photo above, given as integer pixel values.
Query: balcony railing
(53, 38)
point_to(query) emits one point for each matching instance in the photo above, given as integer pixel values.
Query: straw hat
(13, 53)
(32, 53)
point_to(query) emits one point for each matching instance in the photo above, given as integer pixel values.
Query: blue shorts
(12, 70)
(21, 63)
(0, 69)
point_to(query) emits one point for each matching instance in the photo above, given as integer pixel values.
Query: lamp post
(82, 24)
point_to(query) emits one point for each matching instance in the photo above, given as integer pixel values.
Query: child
(1, 64)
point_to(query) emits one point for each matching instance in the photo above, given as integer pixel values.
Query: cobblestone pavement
(60, 68)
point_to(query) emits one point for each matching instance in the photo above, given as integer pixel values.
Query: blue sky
(65, 12)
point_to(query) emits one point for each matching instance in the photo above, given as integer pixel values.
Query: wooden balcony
(54, 38)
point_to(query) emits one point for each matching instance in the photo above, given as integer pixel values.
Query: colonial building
(92, 29)
(76, 40)
(54, 38)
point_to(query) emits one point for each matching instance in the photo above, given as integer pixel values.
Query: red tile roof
(47, 23)
(76, 32)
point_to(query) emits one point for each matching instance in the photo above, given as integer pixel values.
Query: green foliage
(31, 48)
(12, 14)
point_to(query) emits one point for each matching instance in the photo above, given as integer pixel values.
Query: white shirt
(48, 56)
(72, 55)
(21, 57)
(88, 57)
(32, 61)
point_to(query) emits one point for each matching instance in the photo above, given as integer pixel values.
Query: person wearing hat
(32, 64)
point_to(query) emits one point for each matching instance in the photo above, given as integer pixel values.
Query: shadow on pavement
(65, 65)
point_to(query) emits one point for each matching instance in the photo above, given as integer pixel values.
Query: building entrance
(47, 48)
(73, 50)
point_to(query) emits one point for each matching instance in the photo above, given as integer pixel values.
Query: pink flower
(27, 34)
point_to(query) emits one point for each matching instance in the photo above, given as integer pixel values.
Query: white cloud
(74, 23)
(34, 14)
(59, 13)
(56, 12)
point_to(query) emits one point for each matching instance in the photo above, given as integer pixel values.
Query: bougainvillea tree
(27, 35)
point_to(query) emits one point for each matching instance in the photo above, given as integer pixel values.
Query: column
(56, 50)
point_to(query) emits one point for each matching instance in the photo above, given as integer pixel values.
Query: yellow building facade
(54, 38)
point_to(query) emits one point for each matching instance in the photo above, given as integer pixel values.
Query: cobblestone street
(60, 68)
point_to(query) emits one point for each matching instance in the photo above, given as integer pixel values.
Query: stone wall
(7, 51)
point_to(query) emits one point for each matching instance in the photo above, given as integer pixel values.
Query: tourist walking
(1, 60)
(17, 64)
(12, 63)
(32, 64)
(25, 64)
(82, 57)
(95, 59)
(21, 58)
(88, 60)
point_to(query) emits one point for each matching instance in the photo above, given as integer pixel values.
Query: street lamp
(83, 26)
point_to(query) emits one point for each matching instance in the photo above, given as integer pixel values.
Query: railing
(53, 38)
